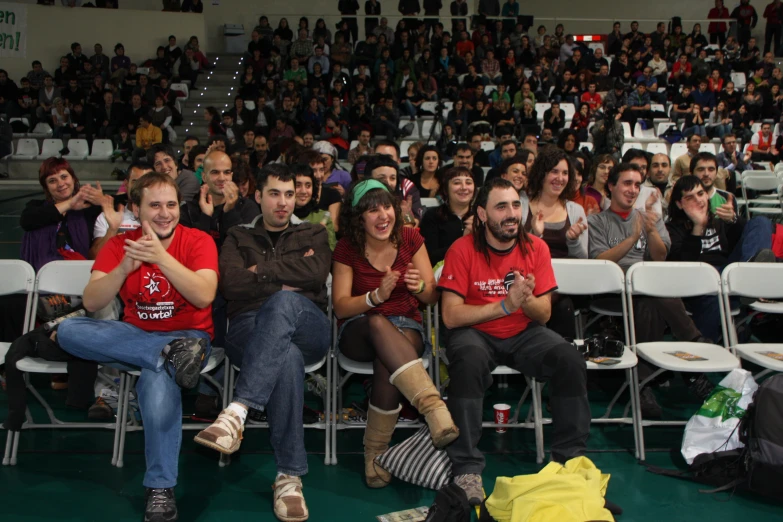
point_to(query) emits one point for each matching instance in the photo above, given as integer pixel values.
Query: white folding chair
(102, 150)
(586, 145)
(761, 181)
(676, 280)
(18, 277)
(430, 202)
(415, 135)
(596, 277)
(426, 128)
(627, 130)
(738, 78)
(657, 148)
(707, 147)
(57, 277)
(404, 146)
(26, 149)
(662, 127)
(568, 110)
(182, 87)
(41, 130)
(77, 150)
(677, 150)
(51, 148)
(488, 146)
(643, 134)
(631, 145)
(755, 281)
(541, 108)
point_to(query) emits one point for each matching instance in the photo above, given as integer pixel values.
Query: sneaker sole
(283, 518)
(217, 447)
(187, 377)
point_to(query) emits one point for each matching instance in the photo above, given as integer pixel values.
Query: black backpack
(757, 467)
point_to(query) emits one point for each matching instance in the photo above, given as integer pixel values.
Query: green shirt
(718, 198)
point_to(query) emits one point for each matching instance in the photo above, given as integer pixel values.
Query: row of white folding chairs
(575, 277)
(27, 149)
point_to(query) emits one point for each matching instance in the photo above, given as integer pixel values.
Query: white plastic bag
(714, 426)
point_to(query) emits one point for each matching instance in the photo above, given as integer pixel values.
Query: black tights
(374, 338)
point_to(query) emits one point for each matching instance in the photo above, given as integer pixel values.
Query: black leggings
(375, 339)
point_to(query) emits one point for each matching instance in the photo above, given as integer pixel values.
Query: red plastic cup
(502, 414)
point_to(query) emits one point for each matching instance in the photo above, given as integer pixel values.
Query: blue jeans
(122, 345)
(701, 130)
(272, 346)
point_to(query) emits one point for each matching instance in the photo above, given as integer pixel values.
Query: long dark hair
(352, 218)
(420, 157)
(545, 162)
(678, 215)
(480, 228)
(444, 211)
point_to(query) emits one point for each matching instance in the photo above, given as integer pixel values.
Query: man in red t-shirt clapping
(166, 276)
(497, 285)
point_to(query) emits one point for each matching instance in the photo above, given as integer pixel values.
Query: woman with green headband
(381, 275)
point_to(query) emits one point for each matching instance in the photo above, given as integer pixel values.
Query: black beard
(496, 229)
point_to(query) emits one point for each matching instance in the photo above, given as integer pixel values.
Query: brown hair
(52, 166)
(547, 160)
(148, 180)
(352, 218)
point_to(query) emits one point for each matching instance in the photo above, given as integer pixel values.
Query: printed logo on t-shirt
(496, 287)
(710, 241)
(155, 301)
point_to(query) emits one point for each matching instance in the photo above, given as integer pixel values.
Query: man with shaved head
(219, 206)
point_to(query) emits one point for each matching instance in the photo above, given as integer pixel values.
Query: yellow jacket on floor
(571, 493)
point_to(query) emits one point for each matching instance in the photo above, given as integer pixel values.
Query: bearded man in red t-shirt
(497, 285)
(166, 276)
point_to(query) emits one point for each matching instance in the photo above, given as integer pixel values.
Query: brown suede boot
(380, 427)
(415, 384)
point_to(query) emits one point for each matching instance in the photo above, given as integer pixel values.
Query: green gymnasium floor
(66, 475)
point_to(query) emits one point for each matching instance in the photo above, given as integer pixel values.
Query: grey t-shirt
(188, 185)
(608, 229)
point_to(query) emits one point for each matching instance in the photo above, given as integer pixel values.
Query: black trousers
(537, 352)
(718, 38)
(772, 36)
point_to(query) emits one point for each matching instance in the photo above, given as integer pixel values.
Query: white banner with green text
(13, 30)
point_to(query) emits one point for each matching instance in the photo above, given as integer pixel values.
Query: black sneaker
(765, 256)
(700, 386)
(187, 357)
(161, 506)
(650, 407)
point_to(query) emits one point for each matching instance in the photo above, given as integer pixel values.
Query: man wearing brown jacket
(273, 276)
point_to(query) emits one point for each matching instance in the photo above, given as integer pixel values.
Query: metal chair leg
(119, 421)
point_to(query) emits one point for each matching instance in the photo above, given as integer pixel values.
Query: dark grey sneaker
(473, 487)
(649, 404)
(187, 357)
(700, 386)
(765, 255)
(161, 506)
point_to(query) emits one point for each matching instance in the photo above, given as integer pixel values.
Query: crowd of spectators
(106, 97)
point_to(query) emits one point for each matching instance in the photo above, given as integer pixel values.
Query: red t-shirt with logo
(151, 301)
(467, 274)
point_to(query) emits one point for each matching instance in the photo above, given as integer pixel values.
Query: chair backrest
(102, 148)
(63, 277)
(631, 145)
(586, 145)
(588, 277)
(51, 148)
(42, 128)
(18, 277)
(60, 277)
(251, 105)
(657, 148)
(430, 202)
(28, 146)
(672, 279)
(768, 181)
(541, 107)
(627, 129)
(426, 128)
(678, 149)
(663, 126)
(568, 110)
(754, 280)
(707, 147)
(78, 147)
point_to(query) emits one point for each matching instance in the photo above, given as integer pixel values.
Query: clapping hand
(388, 283)
(412, 279)
(576, 229)
(148, 248)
